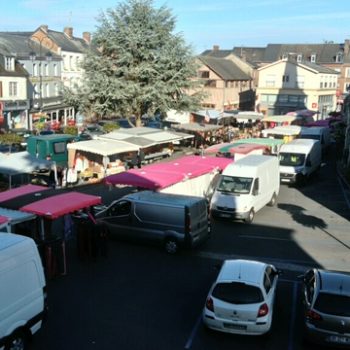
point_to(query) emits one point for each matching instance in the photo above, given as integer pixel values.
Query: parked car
(299, 159)
(171, 220)
(23, 302)
(245, 187)
(242, 298)
(326, 298)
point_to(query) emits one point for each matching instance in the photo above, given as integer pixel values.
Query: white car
(242, 298)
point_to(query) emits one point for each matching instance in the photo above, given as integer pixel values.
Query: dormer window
(339, 57)
(10, 63)
(299, 58)
(313, 58)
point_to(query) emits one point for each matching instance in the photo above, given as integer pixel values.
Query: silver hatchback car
(326, 298)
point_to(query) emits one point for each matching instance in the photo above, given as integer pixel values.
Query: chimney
(346, 47)
(216, 47)
(44, 27)
(87, 37)
(69, 32)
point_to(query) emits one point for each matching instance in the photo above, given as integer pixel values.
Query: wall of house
(317, 90)
(221, 94)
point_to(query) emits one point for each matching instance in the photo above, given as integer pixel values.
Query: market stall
(47, 210)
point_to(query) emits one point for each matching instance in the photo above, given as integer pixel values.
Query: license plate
(337, 339)
(285, 180)
(235, 326)
(225, 215)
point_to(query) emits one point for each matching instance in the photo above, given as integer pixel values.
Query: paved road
(140, 298)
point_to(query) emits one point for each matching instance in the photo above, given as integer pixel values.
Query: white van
(319, 133)
(22, 290)
(245, 187)
(299, 159)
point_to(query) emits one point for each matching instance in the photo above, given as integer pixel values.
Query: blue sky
(203, 23)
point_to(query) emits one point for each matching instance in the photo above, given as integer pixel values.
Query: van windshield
(291, 159)
(235, 184)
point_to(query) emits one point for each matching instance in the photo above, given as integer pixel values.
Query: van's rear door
(198, 221)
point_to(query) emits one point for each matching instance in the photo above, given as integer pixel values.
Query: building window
(325, 84)
(47, 90)
(13, 88)
(35, 94)
(321, 85)
(64, 61)
(300, 81)
(46, 69)
(339, 57)
(204, 74)
(285, 78)
(71, 62)
(77, 63)
(347, 87)
(270, 80)
(313, 58)
(210, 83)
(0, 88)
(9, 63)
(347, 73)
(55, 70)
(299, 58)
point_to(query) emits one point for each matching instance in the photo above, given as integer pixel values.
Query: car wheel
(171, 246)
(273, 201)
(17, 341)
(250, 217)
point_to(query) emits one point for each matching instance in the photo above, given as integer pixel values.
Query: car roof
(334, 282)
(242, 270)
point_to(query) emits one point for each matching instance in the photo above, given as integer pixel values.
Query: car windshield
(291, 159)
(234, 184)
(333, 304)
(238, 293)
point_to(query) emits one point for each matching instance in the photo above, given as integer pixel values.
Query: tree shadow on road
(298, 215)
(311, 221)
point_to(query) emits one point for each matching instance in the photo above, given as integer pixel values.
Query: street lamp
(33, 56)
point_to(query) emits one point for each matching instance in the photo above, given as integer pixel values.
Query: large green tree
(140, 65)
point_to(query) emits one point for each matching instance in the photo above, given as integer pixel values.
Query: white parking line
(193, 333)
(264, 237)
(293, 317)
(282, 264)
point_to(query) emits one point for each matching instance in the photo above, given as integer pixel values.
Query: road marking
(290, 265)
(293, 317)
(193, 333)
(264, 237)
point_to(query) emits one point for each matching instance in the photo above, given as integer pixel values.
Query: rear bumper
(332, 339)
(226, 326)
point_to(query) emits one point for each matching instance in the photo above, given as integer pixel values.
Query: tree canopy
(138, 65)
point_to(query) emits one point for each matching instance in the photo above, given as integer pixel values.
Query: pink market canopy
(3, 219)
(20, 191)
(61, 204)
(161, 175)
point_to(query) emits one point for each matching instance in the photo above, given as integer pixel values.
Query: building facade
(224, 83)
(51, 61)
(288, 85)
(14, 101)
